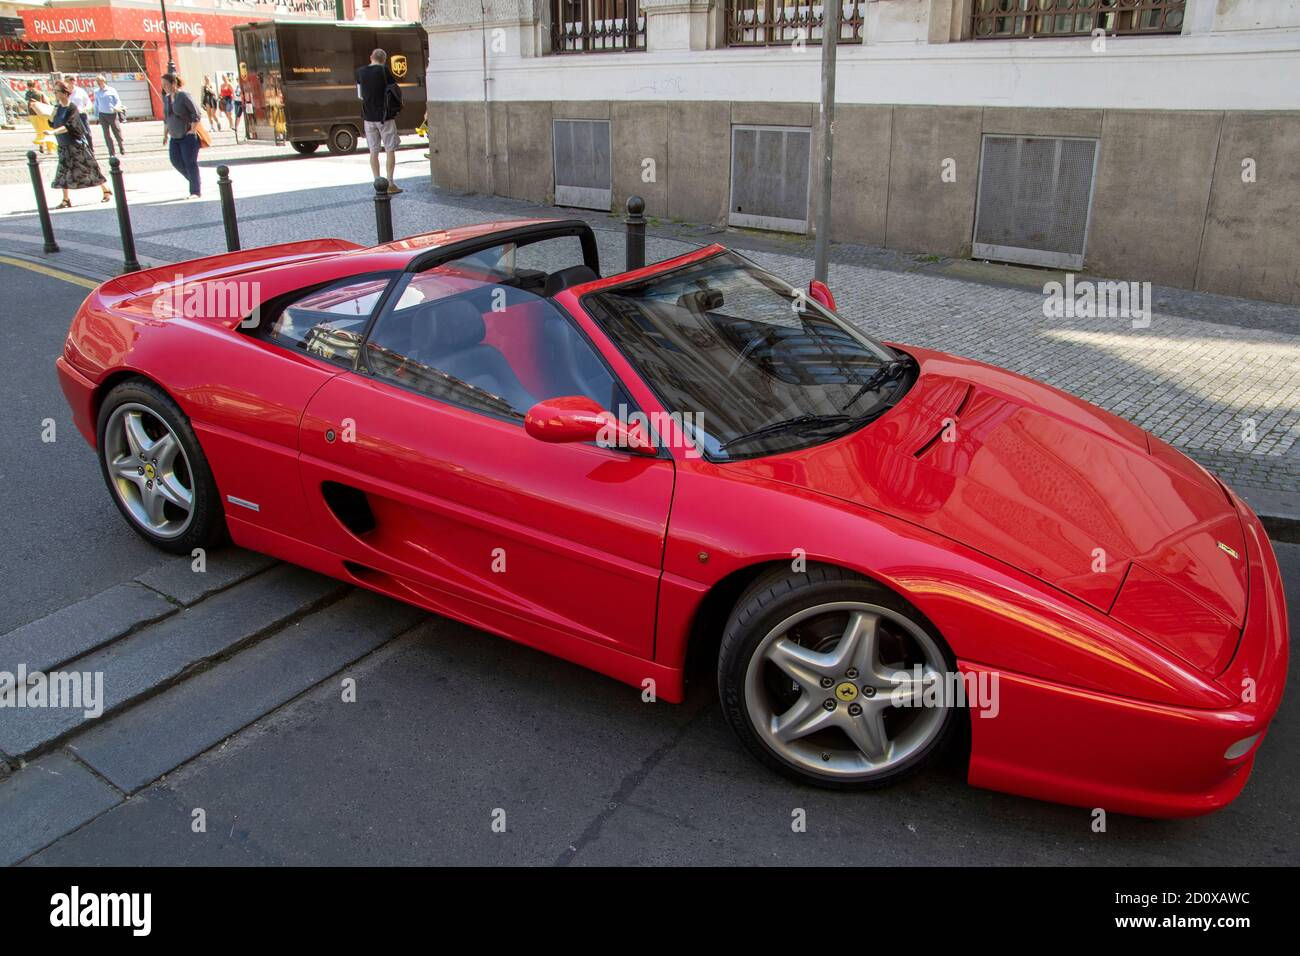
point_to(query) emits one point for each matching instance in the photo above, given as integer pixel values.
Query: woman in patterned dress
(77, 167)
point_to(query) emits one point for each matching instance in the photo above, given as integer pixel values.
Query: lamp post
(167, 33)
(826, 128)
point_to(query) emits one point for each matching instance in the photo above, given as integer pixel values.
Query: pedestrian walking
(81, 100)
(39, 114)
(181, 121)
(77, 168)
(209, 100)
(239, 110)
(381, 101)
(109, 109)
(226, 102)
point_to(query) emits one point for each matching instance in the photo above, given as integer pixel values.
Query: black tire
(343, 140)
(305, 148)
(773, 599)
(207, 525)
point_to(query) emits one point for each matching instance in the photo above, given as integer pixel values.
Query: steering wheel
(748, 349)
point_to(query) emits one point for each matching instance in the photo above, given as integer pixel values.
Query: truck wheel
(305, 148)
(343, 139)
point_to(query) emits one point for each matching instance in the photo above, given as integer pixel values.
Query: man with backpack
(381, 101)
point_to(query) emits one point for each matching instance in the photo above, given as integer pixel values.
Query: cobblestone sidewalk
(1217, 377)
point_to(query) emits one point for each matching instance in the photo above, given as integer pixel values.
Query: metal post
(635, 243)
(227, 191)
(42, 209)
(167, 34)
(129, 262)
(826, 128)
(383, 210)
(487, 108)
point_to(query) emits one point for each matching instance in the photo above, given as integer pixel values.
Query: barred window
(1002, 19)
(786, 22)
(597, 26)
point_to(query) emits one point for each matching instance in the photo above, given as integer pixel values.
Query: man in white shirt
(81, 100)
(109, 110)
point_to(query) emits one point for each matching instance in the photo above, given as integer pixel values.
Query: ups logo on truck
(398, 64)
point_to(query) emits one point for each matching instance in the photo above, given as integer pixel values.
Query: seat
(449, 337)
(562, 279)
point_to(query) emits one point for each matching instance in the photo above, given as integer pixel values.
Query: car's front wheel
(834, 680)
(156, 471)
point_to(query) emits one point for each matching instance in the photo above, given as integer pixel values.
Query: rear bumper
(1088, 749)
(80, 393)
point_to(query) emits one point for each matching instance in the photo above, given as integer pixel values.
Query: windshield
(750, 364)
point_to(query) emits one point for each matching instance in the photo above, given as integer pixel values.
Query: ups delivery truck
(300, 86)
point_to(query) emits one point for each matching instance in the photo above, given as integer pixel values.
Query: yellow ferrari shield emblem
(846, 692)
(398, 63)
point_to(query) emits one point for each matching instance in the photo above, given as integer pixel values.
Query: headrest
(574, 275)
(456, 325)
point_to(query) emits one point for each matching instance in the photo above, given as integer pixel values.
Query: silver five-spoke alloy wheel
(825, 688)
(149, 470)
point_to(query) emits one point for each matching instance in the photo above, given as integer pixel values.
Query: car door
(421, 475)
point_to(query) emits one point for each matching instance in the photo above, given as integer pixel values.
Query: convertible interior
(499, 335)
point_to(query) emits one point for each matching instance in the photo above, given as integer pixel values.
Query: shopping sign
(66, 24)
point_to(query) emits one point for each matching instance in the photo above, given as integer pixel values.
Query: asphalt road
(451, 726)
(63, 545)
(452, 729)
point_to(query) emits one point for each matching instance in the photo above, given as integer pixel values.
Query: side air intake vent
(950, 418)
(349, 506)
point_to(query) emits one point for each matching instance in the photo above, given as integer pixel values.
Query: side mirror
(577, 418)
(818, 291)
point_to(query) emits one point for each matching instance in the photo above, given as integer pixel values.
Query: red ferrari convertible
(879, 548)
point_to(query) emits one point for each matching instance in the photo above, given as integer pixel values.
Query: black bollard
(227, 191)
(635, 232)
(383, 210)
(42, 208)
(129, 262)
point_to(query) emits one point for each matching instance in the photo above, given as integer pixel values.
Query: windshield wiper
(798, 423)
(887, 372)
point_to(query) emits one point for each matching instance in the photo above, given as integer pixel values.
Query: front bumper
(1088, 749)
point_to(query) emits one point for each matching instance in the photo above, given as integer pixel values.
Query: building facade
(126, 38)
(1140, 139)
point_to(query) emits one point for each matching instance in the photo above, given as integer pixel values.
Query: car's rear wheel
(305, 148)
(343, 139)
(834, 680)
(156, 471)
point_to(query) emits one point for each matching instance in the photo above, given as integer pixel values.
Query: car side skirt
(668, 682)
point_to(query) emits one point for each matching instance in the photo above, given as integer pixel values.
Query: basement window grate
(770, 177)
(582, 163)
(1035, 200)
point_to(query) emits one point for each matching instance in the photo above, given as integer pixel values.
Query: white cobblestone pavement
(1209, 373)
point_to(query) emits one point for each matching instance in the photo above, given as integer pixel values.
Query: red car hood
(1056, 487)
